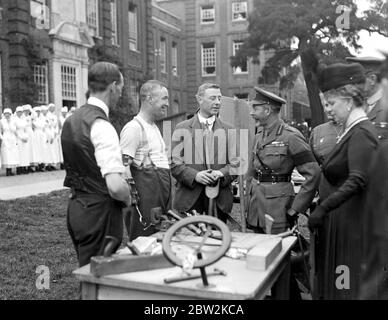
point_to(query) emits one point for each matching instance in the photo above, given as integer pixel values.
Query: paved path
(30, 185)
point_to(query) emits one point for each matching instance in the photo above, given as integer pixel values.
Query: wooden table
(239, 284)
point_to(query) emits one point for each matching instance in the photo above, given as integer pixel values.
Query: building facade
(168, 59)
(214, 31)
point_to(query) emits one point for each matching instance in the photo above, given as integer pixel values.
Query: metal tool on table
(215, 272)
(201, 262)
(199, 231)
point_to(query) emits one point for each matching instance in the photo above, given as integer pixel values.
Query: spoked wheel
(204, 250)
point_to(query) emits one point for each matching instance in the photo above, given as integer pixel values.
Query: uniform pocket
(275, 155)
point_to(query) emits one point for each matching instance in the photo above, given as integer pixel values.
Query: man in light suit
(202, 156)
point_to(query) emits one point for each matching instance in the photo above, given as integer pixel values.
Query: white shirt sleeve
(106, 147)
(130, 138)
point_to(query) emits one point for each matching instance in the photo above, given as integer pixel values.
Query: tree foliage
(292, 29)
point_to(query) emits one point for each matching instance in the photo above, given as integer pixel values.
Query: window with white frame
(133, 30)
(243, 67)
(92, 16)
(208, 14)
(208, 57)
(41, 80)
(40, 12)
(113, 16)
(239, 11)
(69, 83)
(174, 59)
(163, 62)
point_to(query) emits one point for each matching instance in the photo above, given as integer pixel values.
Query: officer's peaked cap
(264, 96)
(337, 75)
(384, 66)
(370, 64)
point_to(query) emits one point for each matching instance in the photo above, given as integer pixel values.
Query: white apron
(9, 148)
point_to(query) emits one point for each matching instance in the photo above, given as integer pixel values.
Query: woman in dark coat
(341, 213)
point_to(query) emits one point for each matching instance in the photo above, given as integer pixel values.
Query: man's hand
(205, 178)
(217, 175)
(292, 217)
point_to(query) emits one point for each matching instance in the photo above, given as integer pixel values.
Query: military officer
(374, 93)
(278, 149)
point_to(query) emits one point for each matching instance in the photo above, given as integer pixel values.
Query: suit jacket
(188, 159)
(377, 114)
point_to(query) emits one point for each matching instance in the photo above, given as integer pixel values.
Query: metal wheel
(210, 251)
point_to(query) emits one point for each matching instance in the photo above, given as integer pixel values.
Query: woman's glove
(317, 218)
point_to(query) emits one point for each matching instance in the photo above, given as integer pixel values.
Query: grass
(33, 233)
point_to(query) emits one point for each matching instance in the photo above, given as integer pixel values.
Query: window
(132, 20)
(243, 68)
(208, 14)
(208, 57)
(92, 16)
(133, 91)
(113, 15)
(239, 11)
(69, 83)
(41, 14)
(175, 107)
(41, 80)
(174, 59)
(163, 63)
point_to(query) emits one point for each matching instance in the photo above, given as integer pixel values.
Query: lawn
(33, 233)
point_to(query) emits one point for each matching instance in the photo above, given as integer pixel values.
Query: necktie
(207, 143)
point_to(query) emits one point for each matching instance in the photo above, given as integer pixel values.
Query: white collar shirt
(209, 122)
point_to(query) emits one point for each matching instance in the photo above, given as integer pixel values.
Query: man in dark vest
(94, 168)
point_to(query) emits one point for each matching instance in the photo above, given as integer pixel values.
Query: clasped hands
(208, 177)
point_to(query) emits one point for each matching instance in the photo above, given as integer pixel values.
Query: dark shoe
(9, 173)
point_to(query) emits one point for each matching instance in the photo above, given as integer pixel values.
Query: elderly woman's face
(328, 111)
(338, 106)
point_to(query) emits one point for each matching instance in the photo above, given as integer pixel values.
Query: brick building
(214, 30)
(52, 43)
(168, 59)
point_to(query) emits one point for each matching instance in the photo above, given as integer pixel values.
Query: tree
(310, 30)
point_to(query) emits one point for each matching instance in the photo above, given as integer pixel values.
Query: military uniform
(375, 110)
(277, 150)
